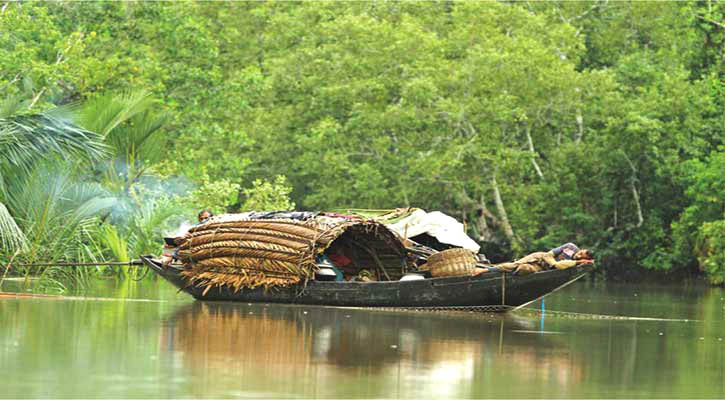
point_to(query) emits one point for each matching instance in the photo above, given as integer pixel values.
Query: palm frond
(25, 138)
(147, 223)
(130, 126)
(139, 141)
(105, 113)
(114, 241)
(93, 207)
(11, 236)
(11, 105)
(53, 210)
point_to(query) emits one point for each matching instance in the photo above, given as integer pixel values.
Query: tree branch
(640, 218)
(580, 125)
(582, 15)
(711, 21)
(615, 211)
(533, 152)
(592, 8)
(505, 224)
(35, 99)
(10, 82)
(635, 194)
(484, 232)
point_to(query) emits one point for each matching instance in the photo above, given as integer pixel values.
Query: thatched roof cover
(245, 253)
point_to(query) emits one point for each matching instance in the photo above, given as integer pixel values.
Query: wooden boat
(492, 291)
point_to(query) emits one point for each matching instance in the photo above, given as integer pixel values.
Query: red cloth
(339, 260)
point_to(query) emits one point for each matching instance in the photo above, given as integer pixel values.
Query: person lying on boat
(544, 260)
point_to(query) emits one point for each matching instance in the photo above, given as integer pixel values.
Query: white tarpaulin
(441, 226)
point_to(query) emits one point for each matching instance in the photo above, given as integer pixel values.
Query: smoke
(143, 198)
(180, 231)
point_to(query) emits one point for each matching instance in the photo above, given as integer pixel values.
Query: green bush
(268, 196)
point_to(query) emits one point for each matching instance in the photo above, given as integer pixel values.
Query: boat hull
(493, 291)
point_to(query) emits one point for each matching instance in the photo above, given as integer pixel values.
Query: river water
(587, 340)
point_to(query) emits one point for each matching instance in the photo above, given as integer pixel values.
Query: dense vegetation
(536, 123)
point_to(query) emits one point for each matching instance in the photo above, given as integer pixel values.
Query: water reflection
(79, 348)
(403, 352)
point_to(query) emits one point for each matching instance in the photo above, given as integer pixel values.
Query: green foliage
(130, 125)
(45, 62)
(149, 221)
(711, 251)
(116, 244)
(698, 233)
(215, 196)
(24, 140)
(579, 116)
(57, 214)
(268, 196)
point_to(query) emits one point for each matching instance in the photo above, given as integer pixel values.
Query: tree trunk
(580, 125)
(533, 153)
(484, 232)
(635, 193)
(502, 212)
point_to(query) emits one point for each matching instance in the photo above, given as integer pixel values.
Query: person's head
(204, 215)
(583, 254)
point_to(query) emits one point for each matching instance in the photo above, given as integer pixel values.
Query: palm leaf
(25, 138)
(139, 141)
(130, 126)
(115, 242)
(105, 113)
(53, 210)
(11, 236)
(13, 104)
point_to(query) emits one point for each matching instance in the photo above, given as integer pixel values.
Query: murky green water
(165, 345)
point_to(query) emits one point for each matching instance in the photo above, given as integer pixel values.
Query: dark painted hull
(492, 291)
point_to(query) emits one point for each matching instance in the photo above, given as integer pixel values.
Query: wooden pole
(75, 264)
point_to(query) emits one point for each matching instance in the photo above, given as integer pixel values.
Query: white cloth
(441, 226)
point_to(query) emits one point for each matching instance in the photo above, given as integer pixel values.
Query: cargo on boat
(346, 260)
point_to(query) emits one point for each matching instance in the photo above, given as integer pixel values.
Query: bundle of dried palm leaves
(249, 253)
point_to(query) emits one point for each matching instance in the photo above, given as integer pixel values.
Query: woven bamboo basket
(451, 262)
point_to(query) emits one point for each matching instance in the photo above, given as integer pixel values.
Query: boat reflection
(306, 345)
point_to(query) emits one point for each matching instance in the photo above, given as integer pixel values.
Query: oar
(75, 264)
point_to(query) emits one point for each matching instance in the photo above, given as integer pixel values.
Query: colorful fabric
(565, 251)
